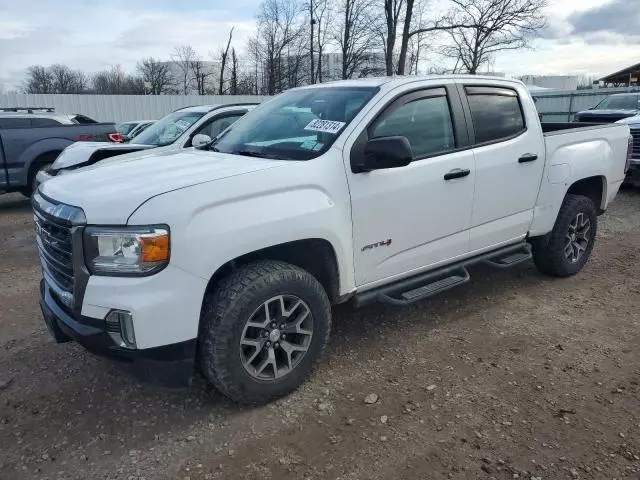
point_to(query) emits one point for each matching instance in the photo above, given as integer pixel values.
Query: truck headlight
(126, 251)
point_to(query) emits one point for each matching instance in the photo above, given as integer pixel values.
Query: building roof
(627, 75)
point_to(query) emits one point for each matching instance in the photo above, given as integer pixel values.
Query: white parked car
(187, 127)
(371, 190)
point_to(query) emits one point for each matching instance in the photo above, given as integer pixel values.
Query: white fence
(120, 108)
(561, 106)
(556, 106)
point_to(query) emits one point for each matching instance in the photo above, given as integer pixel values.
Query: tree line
(298, 42)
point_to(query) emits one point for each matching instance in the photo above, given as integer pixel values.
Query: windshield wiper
(253, 153)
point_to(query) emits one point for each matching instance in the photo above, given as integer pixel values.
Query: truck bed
(560, 128)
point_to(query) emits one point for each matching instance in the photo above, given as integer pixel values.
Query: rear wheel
(263, 330)
(571, 240)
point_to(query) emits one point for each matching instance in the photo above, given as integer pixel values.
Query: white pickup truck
(367, 190)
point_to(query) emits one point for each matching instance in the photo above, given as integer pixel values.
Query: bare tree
(200, 74)
(224, 54)
(182, 57)
(278, 43)
(39, 80)
(155, 74)
(234, 72)
(354, 35)
(114, 81)
(392, 12)
(323, 15)
(64, 79)
(57, 78)
(491, 26)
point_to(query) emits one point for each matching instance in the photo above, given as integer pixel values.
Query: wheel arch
(594, 187)
(314, 255)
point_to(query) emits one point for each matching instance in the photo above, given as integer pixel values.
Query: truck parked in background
(31, 139)
(611, 109)
(371, 190)
(633, 176)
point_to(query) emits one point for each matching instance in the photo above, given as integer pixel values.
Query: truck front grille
(56, 251)
(636, 143)
(57, 226)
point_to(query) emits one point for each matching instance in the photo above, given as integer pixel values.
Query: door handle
(457, 173)
(528, 157)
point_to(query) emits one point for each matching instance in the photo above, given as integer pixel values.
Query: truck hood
(80, 153)
(630, 120)
(606, 116)
(109, 192)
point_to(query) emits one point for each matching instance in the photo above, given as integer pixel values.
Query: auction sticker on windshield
(325, 126)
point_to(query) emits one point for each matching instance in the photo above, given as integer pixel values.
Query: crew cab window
(425, 122)
(496, 113)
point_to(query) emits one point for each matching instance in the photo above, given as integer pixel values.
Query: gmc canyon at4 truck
(367, 190)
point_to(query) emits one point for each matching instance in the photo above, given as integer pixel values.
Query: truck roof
(403, 80)
(66, 119)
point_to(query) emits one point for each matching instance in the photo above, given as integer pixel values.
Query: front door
(406, 219)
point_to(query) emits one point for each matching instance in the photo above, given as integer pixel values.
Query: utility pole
(313, 80)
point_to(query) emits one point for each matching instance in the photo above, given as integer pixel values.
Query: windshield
(620, 102)
(125, 128)
(296, 125)
(167, 130)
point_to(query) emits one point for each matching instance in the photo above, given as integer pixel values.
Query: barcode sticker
(325, 126)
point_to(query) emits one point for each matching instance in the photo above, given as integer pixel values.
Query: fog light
(120, 328)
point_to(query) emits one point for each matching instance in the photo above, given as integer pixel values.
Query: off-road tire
(549, 256)
(228, 308)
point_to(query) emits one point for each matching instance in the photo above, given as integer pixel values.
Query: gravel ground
(513, 376)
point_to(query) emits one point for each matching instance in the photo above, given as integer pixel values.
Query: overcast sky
(595, 36)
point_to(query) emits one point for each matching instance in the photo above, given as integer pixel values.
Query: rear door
(509, 161)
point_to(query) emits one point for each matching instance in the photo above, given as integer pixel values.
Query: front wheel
(263, 330)
(572, 239)
(32, 183)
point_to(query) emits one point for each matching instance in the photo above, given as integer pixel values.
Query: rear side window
(425, 122)
(44, 122)
(496, 113)
(82, 119)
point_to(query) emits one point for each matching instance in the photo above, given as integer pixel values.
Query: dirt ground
(514, 376)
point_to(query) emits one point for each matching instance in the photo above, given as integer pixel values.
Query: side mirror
(386, 152)
(200, 139)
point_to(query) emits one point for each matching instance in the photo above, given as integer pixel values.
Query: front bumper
(169, 365)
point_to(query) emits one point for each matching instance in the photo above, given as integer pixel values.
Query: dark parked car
(32, 138)
(611, 109)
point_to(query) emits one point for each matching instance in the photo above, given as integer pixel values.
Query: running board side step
(425, 285)
(509, 259)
